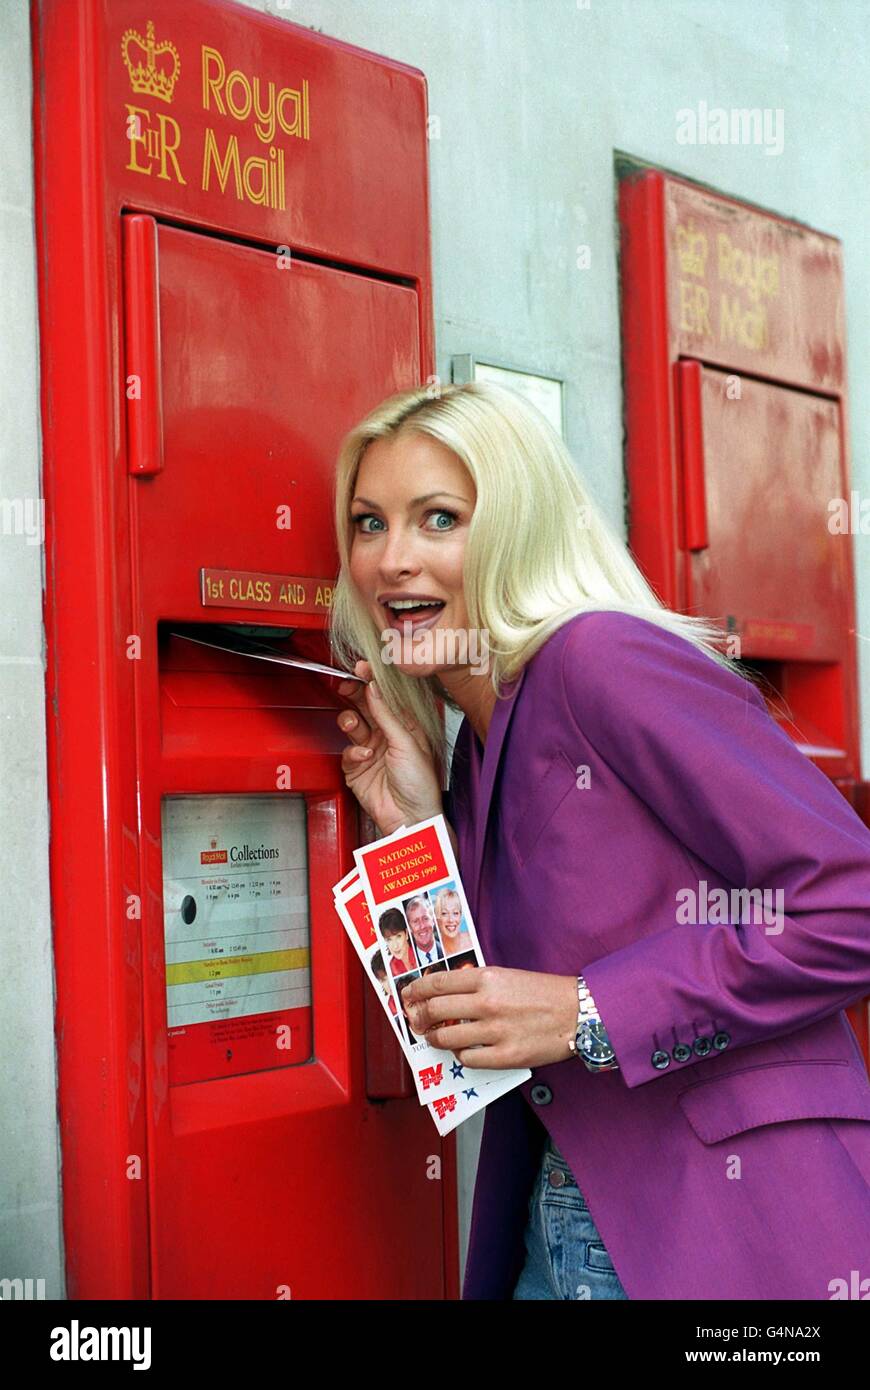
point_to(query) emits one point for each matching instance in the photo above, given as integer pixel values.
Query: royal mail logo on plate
(250, 120)
(153, 66)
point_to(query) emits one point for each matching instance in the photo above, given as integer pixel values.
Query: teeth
(412, 603)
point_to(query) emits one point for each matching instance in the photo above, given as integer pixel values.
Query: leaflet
(350, 904)
(423, 925)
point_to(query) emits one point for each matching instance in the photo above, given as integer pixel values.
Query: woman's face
(450, 917)
(411, 509)
(397, 943)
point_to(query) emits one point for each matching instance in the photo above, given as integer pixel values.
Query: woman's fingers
(352, 759)
(371, 718)
(354, 722)
(354, 726)
(434, 999)
(395, 730)
(363, 670)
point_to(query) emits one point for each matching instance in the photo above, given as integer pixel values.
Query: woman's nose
(398, 555)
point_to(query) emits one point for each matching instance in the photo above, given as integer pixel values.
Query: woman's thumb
(390, 725)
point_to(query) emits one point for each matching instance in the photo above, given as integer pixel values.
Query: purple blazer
(729, 1157)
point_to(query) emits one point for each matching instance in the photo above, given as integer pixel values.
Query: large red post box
(234, 267)
(737, 455)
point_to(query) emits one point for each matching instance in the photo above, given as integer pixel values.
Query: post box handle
(687, 374)
(142, 386)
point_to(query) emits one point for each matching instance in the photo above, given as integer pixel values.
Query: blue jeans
(565, 1255)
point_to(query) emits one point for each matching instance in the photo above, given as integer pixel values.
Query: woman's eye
(439, 519)
(365, 516)
(440, 514)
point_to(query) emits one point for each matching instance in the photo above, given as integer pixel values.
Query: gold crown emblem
(153, 67)
(691, 249)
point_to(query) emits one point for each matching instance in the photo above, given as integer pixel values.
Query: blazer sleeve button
(660, 1060)
(541, 1095)
(682, 1053)
(721, 1040)
(702, 1046)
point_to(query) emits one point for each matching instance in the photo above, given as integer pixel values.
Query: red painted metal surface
(734, 367)
(694, 486)
(232, 221)
(144, 380)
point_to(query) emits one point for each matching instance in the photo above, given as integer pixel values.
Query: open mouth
(406, 611)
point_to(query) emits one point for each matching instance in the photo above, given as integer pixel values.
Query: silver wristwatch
(591, 1041)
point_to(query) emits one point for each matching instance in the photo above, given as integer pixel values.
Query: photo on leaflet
(400, 985)
(379, 972)
(420, 916)
(449, 919)
(396, 933)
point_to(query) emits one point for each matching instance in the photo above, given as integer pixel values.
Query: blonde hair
(441, 897)
(538, 551)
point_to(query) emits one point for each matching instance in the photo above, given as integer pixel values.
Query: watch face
(593, 1042)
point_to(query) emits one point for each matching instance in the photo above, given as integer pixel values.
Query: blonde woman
(614, 775)
(448, 915)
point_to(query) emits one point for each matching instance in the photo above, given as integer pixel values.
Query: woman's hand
(388, 766)
(509, 1018)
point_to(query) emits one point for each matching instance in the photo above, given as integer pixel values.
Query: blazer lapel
(495, 737)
